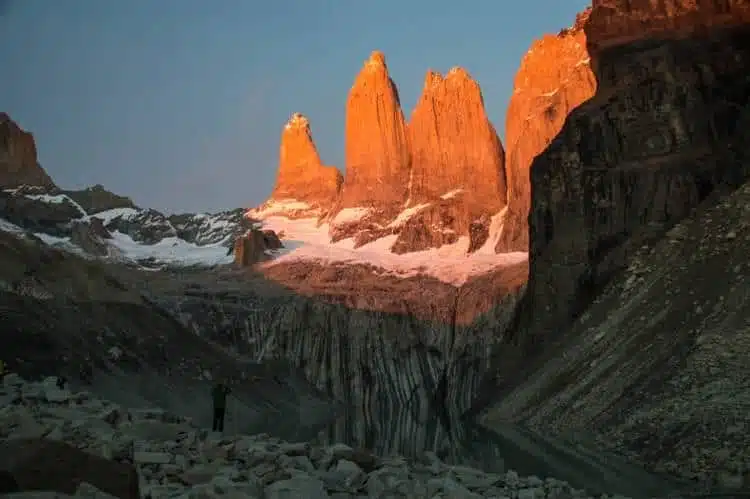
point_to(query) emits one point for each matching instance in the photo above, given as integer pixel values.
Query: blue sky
(180, 103)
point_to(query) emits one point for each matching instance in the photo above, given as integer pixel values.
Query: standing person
(219, 394)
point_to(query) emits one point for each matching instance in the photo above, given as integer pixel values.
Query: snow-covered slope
(123, 233)
(308, 239)
(150, 237)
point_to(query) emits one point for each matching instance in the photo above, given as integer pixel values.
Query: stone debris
(175, 459)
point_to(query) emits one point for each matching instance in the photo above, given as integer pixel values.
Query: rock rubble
(173, 458)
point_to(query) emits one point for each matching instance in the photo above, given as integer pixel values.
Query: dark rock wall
(372, 361)
(667, 127)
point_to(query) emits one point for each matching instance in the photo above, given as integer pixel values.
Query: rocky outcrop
(302, 176)
(96, 199)
(667, 128)
(554, 78)
(33, 209)
(456, 163)
(366, 287)
(255, 246)
(377, 145)
(18, 160)
(90, 236)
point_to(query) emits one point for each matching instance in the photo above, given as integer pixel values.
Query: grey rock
(297, 488)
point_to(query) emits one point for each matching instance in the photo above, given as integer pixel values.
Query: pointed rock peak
(297, 120)
(457, 72)
(432, 79)
(376, 60)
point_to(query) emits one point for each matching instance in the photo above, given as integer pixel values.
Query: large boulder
(48, 465)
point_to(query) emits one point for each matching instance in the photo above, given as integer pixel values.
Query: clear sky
(180, 103)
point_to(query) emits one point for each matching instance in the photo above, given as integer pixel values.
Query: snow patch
(11, 228)
(497, 223)
(63, 243)
(172, 250)
(452, 194)
(108, 215)
(304, 240)
(56, 199)
(350, 215)
(278, 207)
(406, 214)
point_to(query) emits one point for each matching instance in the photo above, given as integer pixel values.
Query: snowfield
(305, 240)
(172, 251)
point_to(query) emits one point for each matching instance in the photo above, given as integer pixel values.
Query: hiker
(61, 380)
(219, 394)
(86, 373)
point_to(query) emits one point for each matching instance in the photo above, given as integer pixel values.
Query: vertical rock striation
(373, 361)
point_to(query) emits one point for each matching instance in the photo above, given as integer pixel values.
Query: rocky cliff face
(377, 145)
(18, 160)
(457, 174)
(96, 199)
(666, 128)
(391, 360)
(427, 183)
(554, 78)
(616, 22)
(302, 176)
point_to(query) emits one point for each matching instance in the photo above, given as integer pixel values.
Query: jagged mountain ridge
(434, 181)
(113, 226)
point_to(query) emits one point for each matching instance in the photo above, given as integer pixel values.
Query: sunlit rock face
(554, 78)
(301, 175)
(18, 159)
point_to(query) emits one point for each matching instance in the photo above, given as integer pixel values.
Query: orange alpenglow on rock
(302, 176)
(377, 148)
(454, 145)
(554, 78)
(18, 159)
(616, 22)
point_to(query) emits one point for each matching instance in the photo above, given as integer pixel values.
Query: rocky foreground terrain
(130, 453)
